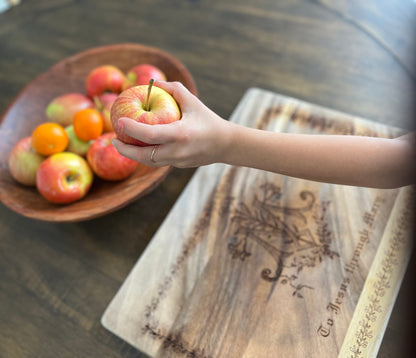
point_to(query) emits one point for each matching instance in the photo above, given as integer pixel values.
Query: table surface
(353, 56)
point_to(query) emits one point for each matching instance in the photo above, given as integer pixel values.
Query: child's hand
(199, 138)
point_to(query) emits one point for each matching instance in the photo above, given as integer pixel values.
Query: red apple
(107, 162)
(24, 162)
(75, 144)
(142, 74)
(64, 178)
(145, 104)
(103, 104)
(106, 78)
(62, 109)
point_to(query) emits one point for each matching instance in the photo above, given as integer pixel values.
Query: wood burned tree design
(295, 237)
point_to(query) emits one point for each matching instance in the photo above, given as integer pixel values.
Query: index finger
(177, 90)
(150, 133)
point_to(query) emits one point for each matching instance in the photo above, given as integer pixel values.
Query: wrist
(232, 144)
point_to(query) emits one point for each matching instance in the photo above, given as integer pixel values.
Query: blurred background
(356, 57)
(355, 53)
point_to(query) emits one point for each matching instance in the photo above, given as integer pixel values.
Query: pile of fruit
(74, 143)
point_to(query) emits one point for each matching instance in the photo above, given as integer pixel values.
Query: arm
(201, 137)
(339, 159)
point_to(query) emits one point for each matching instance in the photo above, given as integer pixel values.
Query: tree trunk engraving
(283, 232)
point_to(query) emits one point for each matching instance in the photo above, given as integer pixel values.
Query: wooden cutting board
(254, 264)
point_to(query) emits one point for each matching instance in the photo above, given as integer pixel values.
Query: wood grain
(56, 279)
(28, 110)
(254, 264)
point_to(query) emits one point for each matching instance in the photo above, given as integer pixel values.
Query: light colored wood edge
(371, 315)
(339, 115)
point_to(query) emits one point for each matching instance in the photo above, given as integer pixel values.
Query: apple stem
(149, 89)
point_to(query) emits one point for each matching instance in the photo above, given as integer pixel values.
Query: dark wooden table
(354, 56)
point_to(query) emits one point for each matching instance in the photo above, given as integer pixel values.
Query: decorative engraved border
(176, 343)
(391, 261)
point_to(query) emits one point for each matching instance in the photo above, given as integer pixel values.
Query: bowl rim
(158, 174)
(98, 49)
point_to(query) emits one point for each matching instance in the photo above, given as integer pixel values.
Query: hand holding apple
(64, 178)
(145, 104)
(201, 137)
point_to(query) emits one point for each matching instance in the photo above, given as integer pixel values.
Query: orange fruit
(88, 124)
(49, 138)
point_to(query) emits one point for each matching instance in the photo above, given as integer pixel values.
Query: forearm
(201, 137)
(350, 160)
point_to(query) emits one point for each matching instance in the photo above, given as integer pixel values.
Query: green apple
(24, 162)
(61, 109)
(76, 145)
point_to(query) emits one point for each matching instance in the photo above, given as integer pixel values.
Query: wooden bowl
(27, 110)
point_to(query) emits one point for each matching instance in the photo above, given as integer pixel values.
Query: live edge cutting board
(254, 264)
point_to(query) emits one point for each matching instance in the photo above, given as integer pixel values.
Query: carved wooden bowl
(27, 110)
